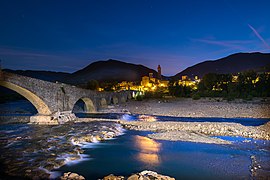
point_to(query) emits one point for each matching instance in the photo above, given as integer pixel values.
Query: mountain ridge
(233, 63)
(115, 70)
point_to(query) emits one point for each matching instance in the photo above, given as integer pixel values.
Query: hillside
(109, 71)
(231, 64)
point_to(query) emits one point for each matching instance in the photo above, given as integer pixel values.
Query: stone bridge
(49, 98)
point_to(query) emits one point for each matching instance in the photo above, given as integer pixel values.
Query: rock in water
(154, 175)
(144, 175)
(113, 177)
(72, 176)
(133, 177)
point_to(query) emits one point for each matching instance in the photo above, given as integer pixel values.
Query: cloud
(232, 44)
(20, 58)
(259, 36)
(22, 53)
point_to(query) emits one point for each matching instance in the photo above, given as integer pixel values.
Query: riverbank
(204, 107)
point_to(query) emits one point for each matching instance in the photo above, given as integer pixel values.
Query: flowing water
(133, 152)
(134, 117)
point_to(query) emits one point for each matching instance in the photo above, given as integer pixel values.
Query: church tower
(159, 72)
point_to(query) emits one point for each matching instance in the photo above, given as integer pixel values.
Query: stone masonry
(50, 98)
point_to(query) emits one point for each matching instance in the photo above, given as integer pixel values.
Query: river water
(133, 152)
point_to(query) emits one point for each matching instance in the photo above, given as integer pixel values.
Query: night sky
(68, 35)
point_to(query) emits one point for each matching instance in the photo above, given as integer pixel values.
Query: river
(24, 146)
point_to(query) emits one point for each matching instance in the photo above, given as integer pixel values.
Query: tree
(92, 85)
(210, 80)
(263, 85)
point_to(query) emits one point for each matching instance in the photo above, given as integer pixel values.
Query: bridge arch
(114, 100)
(88, 104)
(103, 102)
(39, 104)
(123, 99)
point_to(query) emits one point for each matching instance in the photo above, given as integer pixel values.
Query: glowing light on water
(149, 150)
(148, 158)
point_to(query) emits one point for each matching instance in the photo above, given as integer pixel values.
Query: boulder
(113, 177)
(71, 176)
(133, 177)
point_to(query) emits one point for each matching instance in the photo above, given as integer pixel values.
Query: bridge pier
(43, 120)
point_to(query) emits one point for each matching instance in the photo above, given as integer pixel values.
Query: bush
(196, 96)
(249, 98)
(139, 98)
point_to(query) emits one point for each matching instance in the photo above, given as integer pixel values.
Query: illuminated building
(184, 78)
(145, 81)
(186, 81)
(148, 83)
(159, 72)
(163, 83)
(234, 78)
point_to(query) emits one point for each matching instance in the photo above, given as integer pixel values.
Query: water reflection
(147, 118)
(148, 150)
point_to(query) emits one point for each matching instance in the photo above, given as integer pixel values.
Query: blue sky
(65, 35)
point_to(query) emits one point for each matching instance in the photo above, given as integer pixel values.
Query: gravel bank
(187, 136)
(198, 131)
(205, 107)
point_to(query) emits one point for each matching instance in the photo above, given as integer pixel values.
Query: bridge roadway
(49, 98)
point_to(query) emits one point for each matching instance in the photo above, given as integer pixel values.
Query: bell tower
(159, 72)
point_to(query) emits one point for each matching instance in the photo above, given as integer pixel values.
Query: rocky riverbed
(205, 107)
(147, 175)
(198, 131)
(144, 175)
(34, 151)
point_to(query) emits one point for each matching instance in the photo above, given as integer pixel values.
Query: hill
(231, 64)
(110, 71)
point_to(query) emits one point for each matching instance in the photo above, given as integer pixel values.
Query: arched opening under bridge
(36, 101)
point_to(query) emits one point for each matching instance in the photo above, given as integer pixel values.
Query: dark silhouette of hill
(43, 75)
(117, 71)
(110, 71)
(231, 64)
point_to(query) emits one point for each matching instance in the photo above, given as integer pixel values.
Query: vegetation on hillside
(245, 85)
